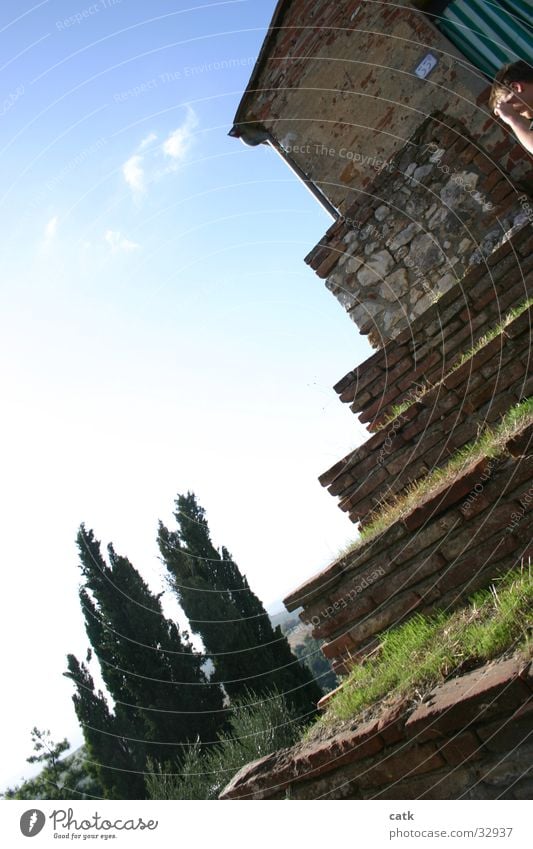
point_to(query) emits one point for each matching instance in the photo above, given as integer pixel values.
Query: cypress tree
(162, 697)
(247, 652)
(115, 762)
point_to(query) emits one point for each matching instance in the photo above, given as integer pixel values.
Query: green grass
(424, 651)
(511, 316)
(489, 443)
(399, 409)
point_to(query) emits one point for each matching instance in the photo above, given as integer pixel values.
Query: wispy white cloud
(146, 142)
(50, 230)
(179, 141)
(133, 173)
(142, 169)
(118, 242)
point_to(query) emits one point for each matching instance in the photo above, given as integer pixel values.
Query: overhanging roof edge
(280, 11)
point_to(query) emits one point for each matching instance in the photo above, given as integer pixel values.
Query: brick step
(429, 432)
(464, 730)
(456, 541)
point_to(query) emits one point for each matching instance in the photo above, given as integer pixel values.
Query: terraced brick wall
(471, 739)
(431, 430)
(451, 544)
(432, 248)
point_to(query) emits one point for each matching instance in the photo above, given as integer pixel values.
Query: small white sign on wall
(426, 66)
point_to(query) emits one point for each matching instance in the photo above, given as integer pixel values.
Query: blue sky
(160, 331)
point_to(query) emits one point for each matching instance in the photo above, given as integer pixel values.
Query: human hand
(507, 110)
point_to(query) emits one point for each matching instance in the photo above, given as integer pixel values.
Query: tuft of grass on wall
(416, 656)
(399, 409)
(490, 443)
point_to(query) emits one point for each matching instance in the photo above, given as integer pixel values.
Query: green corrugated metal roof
(488, 33)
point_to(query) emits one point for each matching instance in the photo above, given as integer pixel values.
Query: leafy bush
(256, 729)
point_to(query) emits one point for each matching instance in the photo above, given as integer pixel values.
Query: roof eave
(280, 11)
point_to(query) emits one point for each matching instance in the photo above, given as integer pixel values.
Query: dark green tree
(114, 757)
(309, 652)
(162, 698)
(60, 777)
(248, 654)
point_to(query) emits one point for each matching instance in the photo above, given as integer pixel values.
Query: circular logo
(32, 822)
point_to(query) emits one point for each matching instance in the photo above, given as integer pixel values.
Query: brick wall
(424, 436)
(432, 248)
(337, 89)
(419, 195)
(425, 351)
(452, 543)
(472, 738)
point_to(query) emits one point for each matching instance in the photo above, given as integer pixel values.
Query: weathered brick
(339, 646)
(522, 444)
(355, 745)
(427, 539)
(446, 496)
(475, 567)
(417, 760)
(461, 748)
(383, 617)
(342, 616)
(509, 732)
(410, 577)
(327, 265)
(336, 471)
(459, 702)
(391, 722)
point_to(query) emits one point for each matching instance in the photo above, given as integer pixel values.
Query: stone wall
(432, 344)
(472, 738)
(440, 208)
